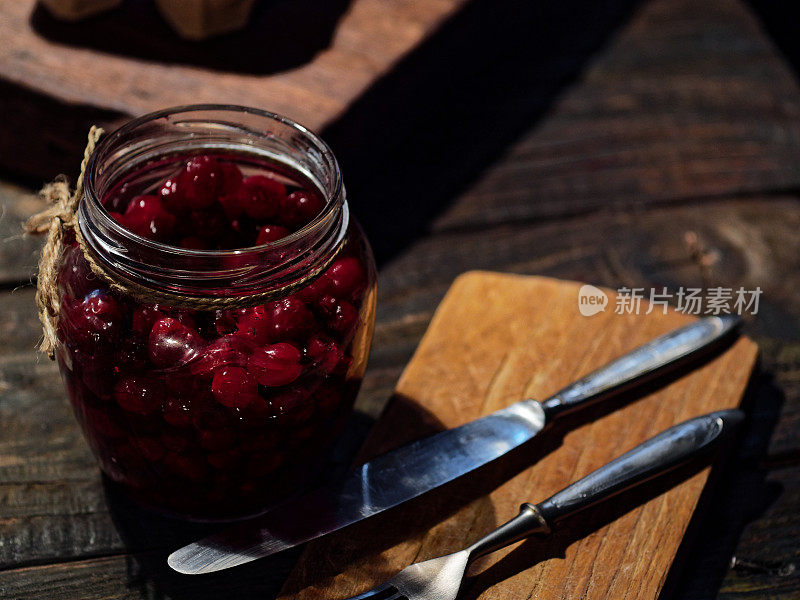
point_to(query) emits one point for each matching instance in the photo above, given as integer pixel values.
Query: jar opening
(238, 131)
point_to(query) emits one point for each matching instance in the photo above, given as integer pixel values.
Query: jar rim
(185, 272)
(129, 126)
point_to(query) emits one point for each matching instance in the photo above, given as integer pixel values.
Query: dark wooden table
(640, 144)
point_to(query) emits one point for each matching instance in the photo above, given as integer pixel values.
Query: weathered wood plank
(667, 113)
(19, 253)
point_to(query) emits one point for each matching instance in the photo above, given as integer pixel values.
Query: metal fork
(440, 578)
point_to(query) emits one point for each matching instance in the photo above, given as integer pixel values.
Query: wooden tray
(305, 59)
(494, 339)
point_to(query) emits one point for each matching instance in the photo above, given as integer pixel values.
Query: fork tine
(384, 591)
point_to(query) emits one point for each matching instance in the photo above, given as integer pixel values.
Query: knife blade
(412, 470)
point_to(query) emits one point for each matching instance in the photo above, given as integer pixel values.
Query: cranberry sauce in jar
(214, 379)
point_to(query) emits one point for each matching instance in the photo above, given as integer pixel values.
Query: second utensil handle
(657, 455)
(646, 361)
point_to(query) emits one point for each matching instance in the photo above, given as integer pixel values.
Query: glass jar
(211, 383)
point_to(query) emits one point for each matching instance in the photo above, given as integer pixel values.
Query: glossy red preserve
(206, 411)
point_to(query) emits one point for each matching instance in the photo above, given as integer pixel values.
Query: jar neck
(272, 269)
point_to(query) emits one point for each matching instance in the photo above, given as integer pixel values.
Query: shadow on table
(150, 537)
(736, 495)
(281, 35)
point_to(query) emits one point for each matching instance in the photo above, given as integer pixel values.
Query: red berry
(225, 321)
(327, 356)
(152, 449)
(231, 178)
(138, 394)
(204, 179)
(271, 233)
(300, 208)
(290, 319)
(172, 343)
(75, 276)
(261, 465)
(256, 323)
(345, 277)
(187, 466)
(234, 387)
(224, 460)
(194, 243)
(278, 364)
(96, 372)
(172, 194)
(144, 315)
(340, 316)
(177, 440)
(217, 439)
(261, 197)
(93, 323)
(178, 412)
(147, 217)
(230, 350)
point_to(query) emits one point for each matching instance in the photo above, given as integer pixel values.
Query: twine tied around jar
(61, 216)
(56, 220)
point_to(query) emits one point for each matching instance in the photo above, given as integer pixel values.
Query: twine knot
(55, 220)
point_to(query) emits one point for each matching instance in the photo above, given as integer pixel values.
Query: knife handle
(657, 455)
(653, 358)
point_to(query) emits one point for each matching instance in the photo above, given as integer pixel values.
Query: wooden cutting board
(494, 339)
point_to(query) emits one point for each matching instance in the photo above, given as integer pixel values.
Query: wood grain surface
(495, 339)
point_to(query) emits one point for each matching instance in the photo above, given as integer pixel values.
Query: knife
(412, 470)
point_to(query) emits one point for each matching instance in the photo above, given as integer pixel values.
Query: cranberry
(339, 315)
(204, 179)
(254, 416)
(261, 465)
(217, 439)
(271, 233)
(261, 196)
(225, 321)
(300, 208)
(231, 178)
(210, 225)
(178, 412)
(172, 194)
(256, 323)
(186, 466)
(138, 394)
(290, 319)
(143, 318)
(152, 449)
(230, 350)
(327, 356)
(94, 322)
(259, 440)
(104, 422)
(275, 365)
(345, 277)
(234, 387)
(293, 406)
(224, 460)
(96, 372)
(75, 276)
(172, 343)
(177, 440)
(147, 217)
(131, 355)
(192, 242)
